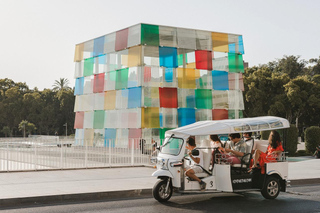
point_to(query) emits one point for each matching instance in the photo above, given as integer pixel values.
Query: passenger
(247, 137)
(196, 163)
(274, 149)
(236, 151)
(215, 144)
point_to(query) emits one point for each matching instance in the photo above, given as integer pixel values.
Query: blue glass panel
(125, 93)
(110, 137)
(220, 80)
(79, 86)
(191, 102)
(168, 75)
(241, 49)
(102, 59)
(98, 46)
(232, 48)
(186, 116)
(134, 99)
(168, 57)
(161, 121)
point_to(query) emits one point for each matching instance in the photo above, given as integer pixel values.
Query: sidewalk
(92, 184)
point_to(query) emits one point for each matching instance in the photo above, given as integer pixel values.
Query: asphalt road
(298, 199)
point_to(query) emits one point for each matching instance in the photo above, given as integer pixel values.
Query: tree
(26, 126)
(290, 65)
(6, 130)
(61, 84)
(22, 127)
(302, 96)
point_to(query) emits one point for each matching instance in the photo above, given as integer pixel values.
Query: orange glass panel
(220, 42)
(187, 77)
(110, 99)
(134, 58)
(78, 55)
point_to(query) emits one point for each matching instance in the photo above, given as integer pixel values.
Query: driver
(196, 163)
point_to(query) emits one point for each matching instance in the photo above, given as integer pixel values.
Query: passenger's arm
(196, 160)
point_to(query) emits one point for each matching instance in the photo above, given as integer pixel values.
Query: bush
(312, 138)
(291, 139)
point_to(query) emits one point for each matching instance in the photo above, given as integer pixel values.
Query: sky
(38, 37)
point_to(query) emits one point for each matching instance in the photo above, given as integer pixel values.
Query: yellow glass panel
(150, 117)
(124, 61)
(187, 78)
(88, 136)
(78, 55)
(134, 58)
(220, 42)
(110, 100)
(191, 65)
(154, 92)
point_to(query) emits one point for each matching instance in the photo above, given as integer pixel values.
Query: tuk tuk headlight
(162, 163)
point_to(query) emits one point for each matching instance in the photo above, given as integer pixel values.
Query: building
(140, 81)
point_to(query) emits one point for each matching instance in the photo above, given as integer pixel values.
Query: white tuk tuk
(224, 177)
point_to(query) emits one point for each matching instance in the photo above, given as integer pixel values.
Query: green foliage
(291, 139)
(312, 138)
(265, 135)
(48, 110)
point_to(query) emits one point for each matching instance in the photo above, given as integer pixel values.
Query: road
(298, 199)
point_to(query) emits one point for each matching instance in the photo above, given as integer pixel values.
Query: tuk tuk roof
(227, 126)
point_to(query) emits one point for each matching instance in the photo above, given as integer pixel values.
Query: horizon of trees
(48, 110)
(288, 87)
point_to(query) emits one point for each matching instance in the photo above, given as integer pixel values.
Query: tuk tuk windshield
(172, 146)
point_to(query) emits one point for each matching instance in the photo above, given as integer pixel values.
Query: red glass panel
(98, 83)
(78, 123)
(168, 97)
(122, 39)
(219, 114)
(203, 59)
(147, 74)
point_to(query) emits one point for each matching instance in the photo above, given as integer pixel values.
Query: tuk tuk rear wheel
(271, 188)
(159, 191)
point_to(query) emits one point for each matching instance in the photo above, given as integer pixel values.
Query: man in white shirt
(196, 163)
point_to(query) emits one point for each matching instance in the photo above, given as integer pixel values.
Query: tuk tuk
(223, 177)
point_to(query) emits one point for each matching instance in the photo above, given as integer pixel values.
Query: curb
(137, 193)
(305, 181)
(109, 195)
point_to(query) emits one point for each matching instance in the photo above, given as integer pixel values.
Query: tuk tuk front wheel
(271, 188)
(159, 191)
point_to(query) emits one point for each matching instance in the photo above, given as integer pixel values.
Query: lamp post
(66, 125)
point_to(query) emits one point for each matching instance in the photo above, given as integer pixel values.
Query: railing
(25, 154)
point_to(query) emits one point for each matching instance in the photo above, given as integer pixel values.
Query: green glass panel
(235, 62)
(150, 34)
(180, 59)
(203, 98)
(122, 79)
(162, 134)
(147, 101)
(88, 67)
(231, 114)
(98, 122)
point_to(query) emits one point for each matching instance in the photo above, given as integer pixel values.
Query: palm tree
(61, 84)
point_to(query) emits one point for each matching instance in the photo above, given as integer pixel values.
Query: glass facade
(141, 81)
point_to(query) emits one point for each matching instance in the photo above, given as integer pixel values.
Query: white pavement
(69, 182)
